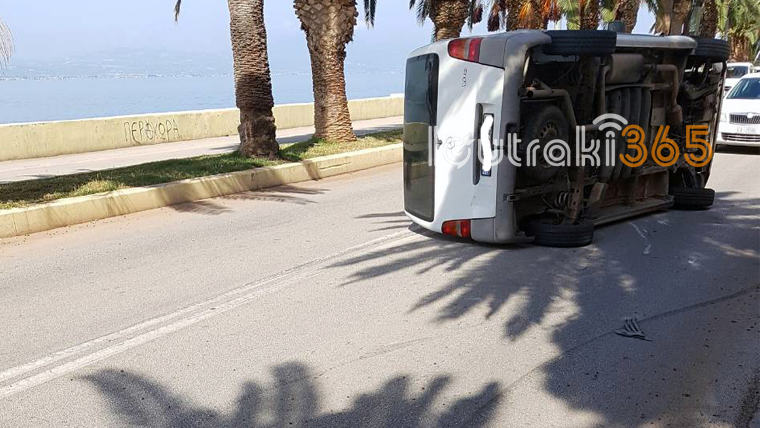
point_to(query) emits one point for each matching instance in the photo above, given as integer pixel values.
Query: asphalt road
(319, 305)
(33, 169)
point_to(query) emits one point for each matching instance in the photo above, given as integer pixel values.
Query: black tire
(581, 42)
(692, 199)
(551, 233)
(545, 124)
(714, 49)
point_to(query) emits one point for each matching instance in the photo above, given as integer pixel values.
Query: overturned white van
(533, 136)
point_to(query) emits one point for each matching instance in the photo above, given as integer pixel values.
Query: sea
(144, 82)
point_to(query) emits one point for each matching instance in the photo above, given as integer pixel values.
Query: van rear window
(421, 94)
(420, 110)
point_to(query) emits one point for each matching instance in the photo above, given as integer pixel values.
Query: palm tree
(513, 14)
(253, 82)
(627, 12)
(583, 14)
(670, 15)
(448, 16)
(531, 15)
(6, 43)
(329, 26)
(503, 14)
(589, 12)
(708, 26)
(526, 14)
(678, 17)
(739, 20)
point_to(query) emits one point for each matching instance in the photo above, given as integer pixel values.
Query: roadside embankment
(75, 210)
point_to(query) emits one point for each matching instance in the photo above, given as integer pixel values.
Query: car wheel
(692, 199)
(714, 49)
(550, 232)
(581, 42)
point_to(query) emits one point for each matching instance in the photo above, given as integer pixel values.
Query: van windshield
(746, 89)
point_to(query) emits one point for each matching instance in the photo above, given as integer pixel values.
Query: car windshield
(736, 71)
(746, 89)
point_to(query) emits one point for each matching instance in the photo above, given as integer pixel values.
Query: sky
(50, 29)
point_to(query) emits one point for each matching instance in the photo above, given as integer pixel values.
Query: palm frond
(6, 44)
(496, 17)
(722, 17)
(653, 5)
(475, 13)
(742, 19)
(609, 8)
(551, 10)
(369, 12)
(177, 7)
(423, 9)
(526, 11)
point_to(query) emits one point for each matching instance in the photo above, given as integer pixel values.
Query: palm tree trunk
(741, 49)
(589, 19)
(709, 24)
(329, 25)
(665, 16)
(627, 11)
(680, 10)
(253, 84)
(448, 17)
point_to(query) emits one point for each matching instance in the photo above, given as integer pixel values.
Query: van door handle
(486, 144)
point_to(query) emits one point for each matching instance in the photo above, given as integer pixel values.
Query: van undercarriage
(648, 87)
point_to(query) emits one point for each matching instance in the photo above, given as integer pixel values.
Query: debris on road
(632, 329)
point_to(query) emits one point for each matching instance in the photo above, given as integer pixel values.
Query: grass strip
(25, 193)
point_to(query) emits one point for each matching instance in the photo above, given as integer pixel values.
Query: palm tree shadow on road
(289, 194)
(640, 268)
(293, 399)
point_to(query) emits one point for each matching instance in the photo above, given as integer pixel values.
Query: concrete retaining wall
(43, 139)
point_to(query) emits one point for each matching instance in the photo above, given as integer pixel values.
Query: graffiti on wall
(147, 132)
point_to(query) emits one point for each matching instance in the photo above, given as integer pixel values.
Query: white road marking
(126, 339)
(643, 233)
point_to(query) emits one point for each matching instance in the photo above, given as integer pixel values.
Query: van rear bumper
(483, 229)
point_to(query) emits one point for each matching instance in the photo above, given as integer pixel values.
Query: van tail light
(466, 49)
(458, 228)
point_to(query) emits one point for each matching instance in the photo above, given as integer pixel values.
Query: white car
(740, 114)
(734, 72)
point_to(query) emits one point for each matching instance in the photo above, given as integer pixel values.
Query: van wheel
(545, 124)
(549, 232)
(714, 49)
(692, 199)
(581, 42)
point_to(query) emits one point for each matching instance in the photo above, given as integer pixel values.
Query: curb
(83, 209)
